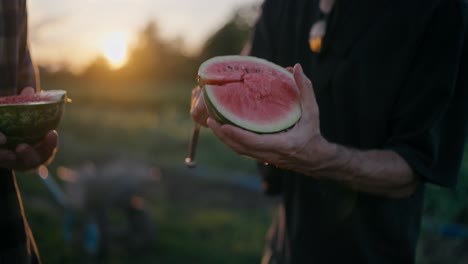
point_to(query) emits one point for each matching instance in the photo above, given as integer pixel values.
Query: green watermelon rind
(29, 122)
(224, 116)
(212, 110)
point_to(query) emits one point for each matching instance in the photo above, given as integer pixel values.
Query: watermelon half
(27, 118)
(249, 92)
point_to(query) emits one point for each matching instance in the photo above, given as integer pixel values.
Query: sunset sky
(68, 32)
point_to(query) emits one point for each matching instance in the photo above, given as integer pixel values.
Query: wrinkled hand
(26, 157)
(291, 149)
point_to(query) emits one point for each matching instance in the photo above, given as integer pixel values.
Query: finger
(196, 92)
(253, 144)
(29, 157)
(308, 100)
(220, 132)
(47, 147)
(199, 112)
(28, 91)
(290, 69)
(260, 147)
(3, 139)
(7, 158)
(26, 157)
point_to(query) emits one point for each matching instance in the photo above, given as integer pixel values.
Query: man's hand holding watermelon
(303, 149)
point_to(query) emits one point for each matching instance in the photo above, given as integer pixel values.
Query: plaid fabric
(16, 72)
(16, 68)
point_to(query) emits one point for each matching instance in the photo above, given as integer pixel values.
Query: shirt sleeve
(429, 125)
(27, 72)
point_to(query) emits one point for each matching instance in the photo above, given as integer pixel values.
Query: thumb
(28, 91)
(306, 91)
(3, 138)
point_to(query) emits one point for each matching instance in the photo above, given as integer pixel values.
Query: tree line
(155, 58)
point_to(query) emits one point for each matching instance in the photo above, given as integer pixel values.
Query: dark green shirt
(391, 75)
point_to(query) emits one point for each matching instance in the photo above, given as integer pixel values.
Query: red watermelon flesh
(25, 99)
(251, 93)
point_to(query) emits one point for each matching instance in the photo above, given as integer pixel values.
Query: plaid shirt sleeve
(27, 73)
(16, 68)
(16, 72)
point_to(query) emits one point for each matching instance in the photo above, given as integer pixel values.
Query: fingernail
(210, 122)
(52, 133)
(300, 68)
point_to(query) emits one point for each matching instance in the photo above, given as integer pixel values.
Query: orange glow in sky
(71, 34)
(114, 48)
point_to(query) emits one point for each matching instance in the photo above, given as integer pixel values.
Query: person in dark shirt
(17, 75)
(384, 96)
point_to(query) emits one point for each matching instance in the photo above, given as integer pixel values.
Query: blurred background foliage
(140, 112)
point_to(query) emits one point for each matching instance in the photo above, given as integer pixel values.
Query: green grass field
(198, 219)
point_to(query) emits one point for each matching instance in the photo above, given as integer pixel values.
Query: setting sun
(114, 48)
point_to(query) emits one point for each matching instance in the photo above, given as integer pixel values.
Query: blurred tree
(97, 69)
(49, 74)
(145, 58)
(232, 36)
(155, 58)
